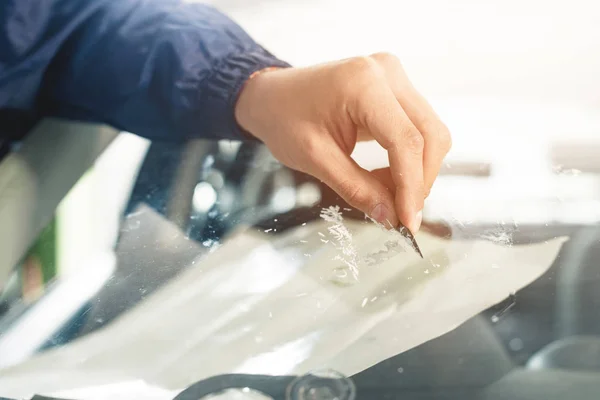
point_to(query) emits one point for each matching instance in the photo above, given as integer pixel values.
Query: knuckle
(353, 77)
(363, 63)
(362, 82)
(427, 192)
(386, 58)
(365, 70)
(445, 138)
(440, 135)
(413, 140)
(354, 194)
(391, 64)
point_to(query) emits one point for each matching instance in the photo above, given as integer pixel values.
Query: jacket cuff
(217, 103)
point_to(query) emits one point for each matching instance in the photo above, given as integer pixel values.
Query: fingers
(381, 114)
(363, 135)
(384, 175)
(435, 134)
(355, 185)
(437, 139)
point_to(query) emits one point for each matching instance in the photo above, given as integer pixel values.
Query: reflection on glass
(243, 266)
(204, 198)
(238, 394)
(322, 385)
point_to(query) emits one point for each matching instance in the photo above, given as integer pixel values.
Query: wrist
(251, 101)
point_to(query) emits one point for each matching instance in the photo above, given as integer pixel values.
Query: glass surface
(210, 271)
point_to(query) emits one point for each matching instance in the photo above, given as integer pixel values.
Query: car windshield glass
(172, 264)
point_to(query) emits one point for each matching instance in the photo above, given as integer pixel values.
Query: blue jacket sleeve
(163, 69)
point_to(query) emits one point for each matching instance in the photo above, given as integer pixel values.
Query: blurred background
(533, 50)
(516, 81)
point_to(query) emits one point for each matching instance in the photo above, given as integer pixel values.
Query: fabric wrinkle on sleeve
(224, 86)
(162, 69)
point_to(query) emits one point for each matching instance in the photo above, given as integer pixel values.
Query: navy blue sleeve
(163, 69)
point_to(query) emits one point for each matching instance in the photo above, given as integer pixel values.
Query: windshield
(207, 269)
(206, 259)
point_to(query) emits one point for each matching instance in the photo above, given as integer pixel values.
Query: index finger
(381, 114)
(437, 137)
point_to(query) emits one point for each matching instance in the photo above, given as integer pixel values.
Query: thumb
(356, 186)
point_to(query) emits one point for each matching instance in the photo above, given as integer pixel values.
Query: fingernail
(416, 224)
(381, 214)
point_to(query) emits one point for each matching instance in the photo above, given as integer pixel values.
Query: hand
(311, 118)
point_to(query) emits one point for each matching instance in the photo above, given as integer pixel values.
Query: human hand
(311, 118)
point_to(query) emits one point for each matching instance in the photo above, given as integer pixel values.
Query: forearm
(161, 69)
